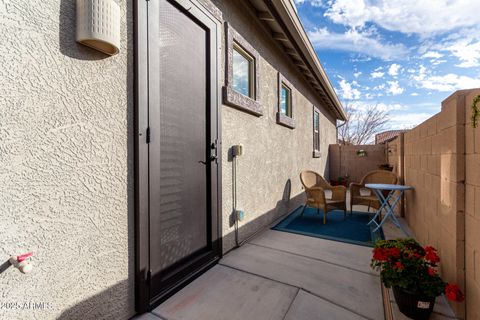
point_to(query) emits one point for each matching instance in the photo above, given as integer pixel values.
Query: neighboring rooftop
(387, 136)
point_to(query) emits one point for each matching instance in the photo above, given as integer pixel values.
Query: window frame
(283, 119)
(231, 97)
(251, 69)
(316, 133)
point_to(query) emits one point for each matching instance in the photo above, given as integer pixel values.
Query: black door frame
(143, 299)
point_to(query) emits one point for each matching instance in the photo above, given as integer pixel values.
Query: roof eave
(290, 17)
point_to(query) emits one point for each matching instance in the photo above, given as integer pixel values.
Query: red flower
(453, 292)
(431, 271)
(431, 256)
(399, 266)
(380, 254)
(394, 252)
(429, 248)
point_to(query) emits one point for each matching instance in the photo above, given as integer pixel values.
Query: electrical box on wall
(240, 215)
(98, 25)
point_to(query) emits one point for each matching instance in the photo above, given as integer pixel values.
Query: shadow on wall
(104, 305)
(66, 36)
(264, 221)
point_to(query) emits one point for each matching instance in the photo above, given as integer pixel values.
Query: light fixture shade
(98, 25)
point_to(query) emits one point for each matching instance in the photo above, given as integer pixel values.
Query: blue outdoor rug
(353, 229)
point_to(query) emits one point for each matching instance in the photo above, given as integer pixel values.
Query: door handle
(212, 158)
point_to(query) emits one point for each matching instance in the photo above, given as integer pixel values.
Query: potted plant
(344, 180)
(411, 271)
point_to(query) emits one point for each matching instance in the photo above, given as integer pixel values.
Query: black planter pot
(413, 305)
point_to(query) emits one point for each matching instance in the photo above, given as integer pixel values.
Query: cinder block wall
(442, 163)
(472, 211)
(343, 160)
(396, 158)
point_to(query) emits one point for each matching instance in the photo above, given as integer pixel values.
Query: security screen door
(182, 113)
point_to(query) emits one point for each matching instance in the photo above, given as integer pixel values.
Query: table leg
(391, 213)
(383, 203)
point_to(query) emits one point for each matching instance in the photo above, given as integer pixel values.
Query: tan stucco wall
(66, 179)
(273, 155)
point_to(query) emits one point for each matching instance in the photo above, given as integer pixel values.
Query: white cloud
(424, 17)
(391, 106)
(467, 51)
(394, 69)
(357, 74)
(362, 106)
(432, 54)
(313, 3)
(414, 94)
(437, 62)
(377, 74)
(364, 42)
(347, 90)
(394, 88)
(447, 83)
(422, 73)
(408, 120)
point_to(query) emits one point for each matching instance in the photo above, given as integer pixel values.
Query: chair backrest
(312, 179)
(380, 176)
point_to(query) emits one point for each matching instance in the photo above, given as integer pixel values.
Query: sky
(404, 56)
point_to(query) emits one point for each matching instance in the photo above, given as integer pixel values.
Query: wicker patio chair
(315, 186)
(370, 200)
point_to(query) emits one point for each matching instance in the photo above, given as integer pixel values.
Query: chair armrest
(316, 193)
(339, 193)
(355, 188)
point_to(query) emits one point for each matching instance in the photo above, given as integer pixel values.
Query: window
(285, 103)
(242, 74)
(316, 132)
(286, 100)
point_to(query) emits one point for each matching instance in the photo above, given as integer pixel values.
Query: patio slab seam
(313, 258)
(299, 288)
(291, 303)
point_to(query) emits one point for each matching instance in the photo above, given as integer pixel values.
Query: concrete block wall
(343, 160)
(395, 157)
(442, 163)
(472, 211)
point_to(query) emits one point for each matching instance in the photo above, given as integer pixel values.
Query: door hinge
(147, 133)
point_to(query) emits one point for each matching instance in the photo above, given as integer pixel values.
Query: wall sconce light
(98, 25)
(361, 153)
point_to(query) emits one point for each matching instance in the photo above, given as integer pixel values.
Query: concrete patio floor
(280, 275)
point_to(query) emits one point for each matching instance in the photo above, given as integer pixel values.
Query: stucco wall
(66, 180)
(268, 182)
